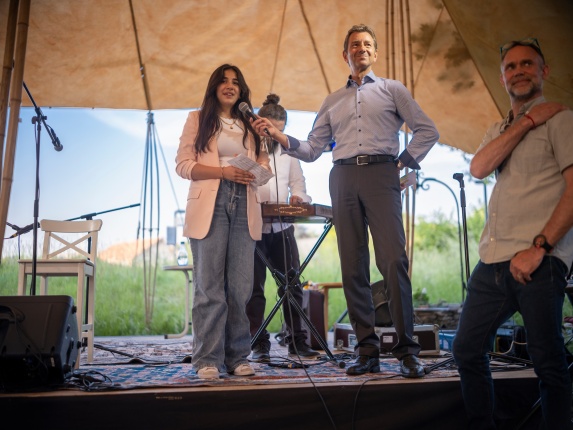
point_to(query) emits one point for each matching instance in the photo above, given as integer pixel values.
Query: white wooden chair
(69, 249)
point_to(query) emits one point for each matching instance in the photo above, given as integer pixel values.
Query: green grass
(120, 296)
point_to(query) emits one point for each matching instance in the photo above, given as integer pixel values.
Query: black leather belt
(362, 160)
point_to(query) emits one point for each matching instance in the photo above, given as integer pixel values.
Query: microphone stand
(37, 121)
(90, 216)
(460, 178)
(22, 230)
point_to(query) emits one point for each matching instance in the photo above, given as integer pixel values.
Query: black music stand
(280, 279)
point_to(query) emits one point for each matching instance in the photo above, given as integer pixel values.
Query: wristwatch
(399, 165)
(540, 241)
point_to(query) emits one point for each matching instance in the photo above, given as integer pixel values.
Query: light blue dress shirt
(365, 120)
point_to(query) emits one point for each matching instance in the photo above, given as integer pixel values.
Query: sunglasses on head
(528, 41)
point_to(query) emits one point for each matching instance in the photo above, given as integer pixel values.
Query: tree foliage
(436, 234)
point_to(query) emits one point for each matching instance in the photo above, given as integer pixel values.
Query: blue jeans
(222, 284)
(493, 297)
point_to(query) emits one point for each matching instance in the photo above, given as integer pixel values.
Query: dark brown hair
(272, 109)
(209, 124)
(360, 28)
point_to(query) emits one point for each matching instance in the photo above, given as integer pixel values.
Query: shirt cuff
(408, 160)
(293, 143)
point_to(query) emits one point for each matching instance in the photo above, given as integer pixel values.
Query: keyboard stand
(281, 281)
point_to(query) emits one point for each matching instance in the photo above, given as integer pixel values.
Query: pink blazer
(202, 193)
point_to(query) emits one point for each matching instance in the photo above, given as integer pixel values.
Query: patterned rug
(125, 364)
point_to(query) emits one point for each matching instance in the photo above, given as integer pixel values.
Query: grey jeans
(222, 284)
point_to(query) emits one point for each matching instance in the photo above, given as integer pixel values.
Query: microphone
(14, 226)
(57, 145)
(244, 107)
(55, 139)
(23, 230)
(460, 178)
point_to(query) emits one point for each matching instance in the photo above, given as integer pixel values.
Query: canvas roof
(87, 53)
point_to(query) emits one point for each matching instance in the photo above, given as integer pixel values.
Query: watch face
(540, 241)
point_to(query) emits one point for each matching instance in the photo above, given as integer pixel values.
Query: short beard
(535, 89)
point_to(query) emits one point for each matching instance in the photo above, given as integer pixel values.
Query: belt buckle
(358, 163)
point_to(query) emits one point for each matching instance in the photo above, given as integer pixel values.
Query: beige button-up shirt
(529, 186)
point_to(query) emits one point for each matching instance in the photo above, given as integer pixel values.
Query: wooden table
(185, 270)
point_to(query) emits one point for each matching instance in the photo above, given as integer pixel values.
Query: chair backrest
(70, 237)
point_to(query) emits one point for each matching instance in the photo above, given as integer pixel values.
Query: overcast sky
(102, 162)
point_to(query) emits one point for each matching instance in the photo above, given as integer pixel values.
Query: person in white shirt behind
(278, 244)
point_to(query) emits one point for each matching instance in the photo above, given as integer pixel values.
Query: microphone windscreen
(244, 107)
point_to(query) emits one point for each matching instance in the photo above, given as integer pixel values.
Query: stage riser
(420, 405)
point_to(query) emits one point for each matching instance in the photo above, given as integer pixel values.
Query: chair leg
(22, 277)
(43, 285)
(91, 315)
(80, 307)
(86, 292)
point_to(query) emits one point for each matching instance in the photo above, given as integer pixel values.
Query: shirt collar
(524, 109)
(508, 120)
(370, 77)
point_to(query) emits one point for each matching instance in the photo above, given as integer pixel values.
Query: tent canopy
(88, 53)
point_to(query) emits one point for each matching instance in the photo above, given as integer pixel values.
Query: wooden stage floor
(148, 383)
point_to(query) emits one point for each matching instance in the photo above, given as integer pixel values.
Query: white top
(230, 141)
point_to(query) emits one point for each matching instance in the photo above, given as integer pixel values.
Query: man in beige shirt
(526, 248)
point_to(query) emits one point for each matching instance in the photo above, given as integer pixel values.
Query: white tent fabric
(159, 54)
(84, 53)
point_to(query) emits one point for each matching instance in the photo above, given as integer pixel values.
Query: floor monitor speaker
(39, 342)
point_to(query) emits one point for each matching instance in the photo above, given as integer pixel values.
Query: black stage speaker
(313, 306)
(39, 340)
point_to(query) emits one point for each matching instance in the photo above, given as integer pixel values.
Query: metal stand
(460, 178)
(37, 121)
(282, 282)
(424, 186)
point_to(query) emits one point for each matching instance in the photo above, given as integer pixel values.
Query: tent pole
(409, 61)
(15, 103)
(405, 129)
(7, 72)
